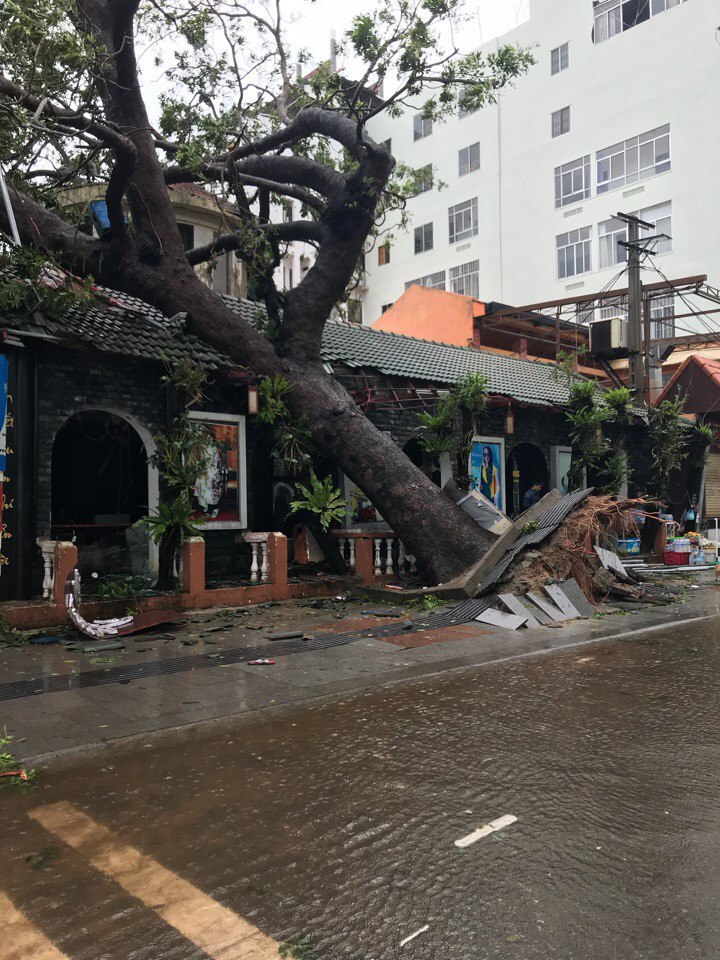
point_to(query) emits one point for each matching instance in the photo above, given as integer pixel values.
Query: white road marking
(485, 831)
(22, 939)
(213, 928)
(416, 934)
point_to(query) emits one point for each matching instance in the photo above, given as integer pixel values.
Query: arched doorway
(526, 465)
(102, 482)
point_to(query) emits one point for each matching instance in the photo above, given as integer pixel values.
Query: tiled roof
(397, 355)
(121, 324)
(117, 323)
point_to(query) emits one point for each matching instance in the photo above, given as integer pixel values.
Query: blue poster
(487, 470)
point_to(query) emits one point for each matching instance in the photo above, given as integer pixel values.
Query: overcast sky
(316, 20)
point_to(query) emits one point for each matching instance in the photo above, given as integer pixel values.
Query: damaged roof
(118, 323)
(395, 354)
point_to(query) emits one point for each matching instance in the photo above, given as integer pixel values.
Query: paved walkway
(200, 674)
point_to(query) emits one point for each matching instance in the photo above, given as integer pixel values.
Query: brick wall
(71, 382)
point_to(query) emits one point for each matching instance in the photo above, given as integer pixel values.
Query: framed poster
(560, 468)
(361, 513)
(219, 495)
(487, 469)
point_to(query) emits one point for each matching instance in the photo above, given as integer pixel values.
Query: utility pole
(636, 247)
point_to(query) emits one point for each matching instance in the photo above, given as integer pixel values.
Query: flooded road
(331, 830)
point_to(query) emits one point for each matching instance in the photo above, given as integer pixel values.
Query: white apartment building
(620, 113)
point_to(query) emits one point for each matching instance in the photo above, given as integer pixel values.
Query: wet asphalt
(332, 828)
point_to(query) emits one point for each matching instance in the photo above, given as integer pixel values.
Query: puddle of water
(335, 826)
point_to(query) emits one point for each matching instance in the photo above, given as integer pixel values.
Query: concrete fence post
(364, 561)
(193, 566)
(278, 564)
(66, 557)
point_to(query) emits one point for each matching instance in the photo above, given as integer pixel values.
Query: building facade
(612, 117)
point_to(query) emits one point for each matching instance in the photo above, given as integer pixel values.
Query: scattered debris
(485, 831)
(516, 605)
(288, 635)
(42, 860)
(382, 613)
(414, 935)
(262, 662)
(101, 629)
(498, 618)
(103, 647)
(43, 641)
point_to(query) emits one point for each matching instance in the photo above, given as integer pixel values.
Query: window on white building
(616, 307)
(463, 220)
(560, 58)
(385, 307)
(574, 252)
(383, 253)
(469, 159)
(661, 216)
(422, 126)
(423, 179)
(612, 232)
(662, 312)
(572, 182)
(561, 122)
(466, 111)
(187, 235)
(632, 160)
(608, 20)
(354, 311)
(435, 281)
(465, 279)
(614, 16)
(423, 238)
(660, 6)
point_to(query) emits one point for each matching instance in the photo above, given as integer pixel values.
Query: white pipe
(9, 209)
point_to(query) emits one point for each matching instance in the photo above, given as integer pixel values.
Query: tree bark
(443, 539)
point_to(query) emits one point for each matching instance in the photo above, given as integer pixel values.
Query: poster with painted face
(215, 494)
(487, 469)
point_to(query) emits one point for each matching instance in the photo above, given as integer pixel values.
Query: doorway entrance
(526, 465)
(100, 486)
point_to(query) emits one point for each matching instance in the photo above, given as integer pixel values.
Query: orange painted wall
(432, 315)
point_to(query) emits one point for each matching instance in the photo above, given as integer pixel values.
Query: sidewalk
(56, 702)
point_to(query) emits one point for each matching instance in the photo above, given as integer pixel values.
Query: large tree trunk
(444, 540)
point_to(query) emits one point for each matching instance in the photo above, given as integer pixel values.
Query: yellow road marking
(218, 931)
(20, 939)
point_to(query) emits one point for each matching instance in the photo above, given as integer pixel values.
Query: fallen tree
(72, 111)
(569, 552)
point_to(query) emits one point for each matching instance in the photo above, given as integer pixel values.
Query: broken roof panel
(118, 323)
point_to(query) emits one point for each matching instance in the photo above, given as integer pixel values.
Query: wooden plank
(515, 605)
(548, 608)
(498, 618)
(563, 602)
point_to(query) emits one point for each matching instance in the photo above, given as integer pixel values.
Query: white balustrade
(260, 563)
(388, 555)
(47, 548)
(385, 561)
(378, 566)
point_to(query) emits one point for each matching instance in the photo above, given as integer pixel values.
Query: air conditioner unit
(609, 338)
